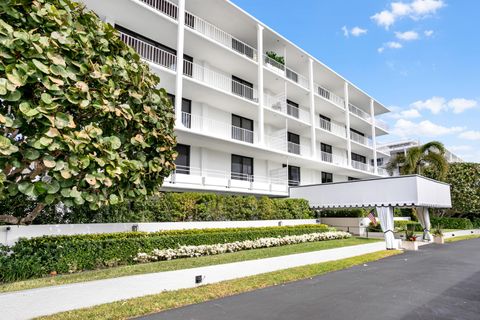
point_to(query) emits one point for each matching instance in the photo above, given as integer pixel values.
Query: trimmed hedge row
(443, 223)
(36, 257)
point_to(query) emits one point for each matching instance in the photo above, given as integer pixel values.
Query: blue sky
(420, 58)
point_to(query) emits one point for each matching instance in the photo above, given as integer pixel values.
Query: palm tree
(428, 159)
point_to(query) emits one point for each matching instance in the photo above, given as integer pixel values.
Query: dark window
(242, 48)
(324, 93)
(325, 123)
(379, 162)
(186, 110)
(359, 158)
(242, 168)
(242, 128)
(293, 176)
(294, 143)
(326, 148)
(352, 179)
(242, 88)
(292, 109)
(292, 75)
(189, 20)
(357, 132)
(327, 177)
(183, 159)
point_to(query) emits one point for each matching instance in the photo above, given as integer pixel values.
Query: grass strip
(174, 299)
(182, 264)
(461, 238)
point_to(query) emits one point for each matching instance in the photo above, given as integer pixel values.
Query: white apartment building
(248, 121)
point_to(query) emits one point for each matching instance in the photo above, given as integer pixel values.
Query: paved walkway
(437, 283)
(43, 301)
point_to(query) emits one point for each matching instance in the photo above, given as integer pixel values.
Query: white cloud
(398, 113)
(460, 148)
(416, 9)
(394, 45)
(458, 105)
(407, 35)
(428, 33)
(355, 31)
(434, 104)
(470, 135)
(405, 128)
(380, 50)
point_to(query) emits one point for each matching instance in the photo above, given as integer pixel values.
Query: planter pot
(410, 245)
(439, 239)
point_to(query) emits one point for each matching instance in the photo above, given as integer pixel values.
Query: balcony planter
(439, 239)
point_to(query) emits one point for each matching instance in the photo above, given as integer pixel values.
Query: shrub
(344, 213)
(399, 225)
(451, 223)
(37, 257)
(476, 223)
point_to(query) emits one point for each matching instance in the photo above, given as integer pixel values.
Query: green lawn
(182, 263)
(174, 299)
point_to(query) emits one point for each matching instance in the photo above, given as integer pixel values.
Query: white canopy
(402, 191)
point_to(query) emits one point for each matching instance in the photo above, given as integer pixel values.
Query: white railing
(279, 103)
(217, 128)
(279, 68)
(294, 148)
(382, 172)
(327, 94)
(187, 175)
(219, 81)
(326, 157)
(360, 139)
(381, 124)
(218, 35)
(150, 52)
(362, 166)
(166, 7)
(333, 127)
(359, 112)
(273, 65)
(333, 158)
(277, 141)
(297, 78)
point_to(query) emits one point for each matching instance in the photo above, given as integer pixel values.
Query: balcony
(196, 178)
(293, 147)
(332, 127)
(151, 53)
(330, 96)
(381, 124)
(359, 112)
(205, 28)
(362, 166)
(333, 158)
(382, 172)
(361, 139)
(217, 129)
(279, 103)
(281, 69)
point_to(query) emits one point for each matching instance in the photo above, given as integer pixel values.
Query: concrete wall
(10, 234)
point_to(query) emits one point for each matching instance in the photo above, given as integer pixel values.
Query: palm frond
(412, 160)
(433, 146)
(394, 163)
(439, 163)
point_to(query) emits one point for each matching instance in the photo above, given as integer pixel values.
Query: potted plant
(438, 236)
(410, 242)
(275, 62)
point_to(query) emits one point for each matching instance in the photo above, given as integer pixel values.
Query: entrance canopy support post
(424, 219)
(385, 215)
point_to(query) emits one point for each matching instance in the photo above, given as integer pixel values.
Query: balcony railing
(293, 147)
(359, 112)
(362, 166)
(333, 158)
(166, 7)
(279, 68)
(297, 78)
(333, 127)
(360, 139)
(382, 172)
(381, 124)
(273, 65)
(194, 177)
(150, 52)
(219, 81)
(217, 128)
(279, 103)
(327, 94)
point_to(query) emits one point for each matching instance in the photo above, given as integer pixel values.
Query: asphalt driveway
(437, 282)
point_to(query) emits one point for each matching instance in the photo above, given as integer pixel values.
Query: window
(242, 88)
(292, 75)
(293, 143)
(352, 179)
(189, 20)
(379, 162)
(183, 159)
(242, 168)
(326, 153)
(357, 132)
(186, 110)
(242, 128)
(293, 176)
(292, 109)
(325, 123)
(327, 177)
(242, 48)
(359, 158)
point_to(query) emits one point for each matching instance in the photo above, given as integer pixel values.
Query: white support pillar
(313, 141)
(385, 215)
(374, 138)
(179, 78)
(261, 120)
(347, 123)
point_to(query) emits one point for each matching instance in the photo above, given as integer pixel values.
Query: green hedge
(344, 213)
(188, 206)
(38, 257)
(451, 223)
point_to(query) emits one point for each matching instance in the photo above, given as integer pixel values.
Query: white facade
(272, 117)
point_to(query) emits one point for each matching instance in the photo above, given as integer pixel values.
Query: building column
(312, 108)
(374, 138)
(179, 78)
(261, 120)
(347, 123)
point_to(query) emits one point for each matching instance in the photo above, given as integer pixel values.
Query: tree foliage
(428, 160)
(81, 118)
(464, 180)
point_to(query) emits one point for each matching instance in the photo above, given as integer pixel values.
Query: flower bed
(207, 250)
